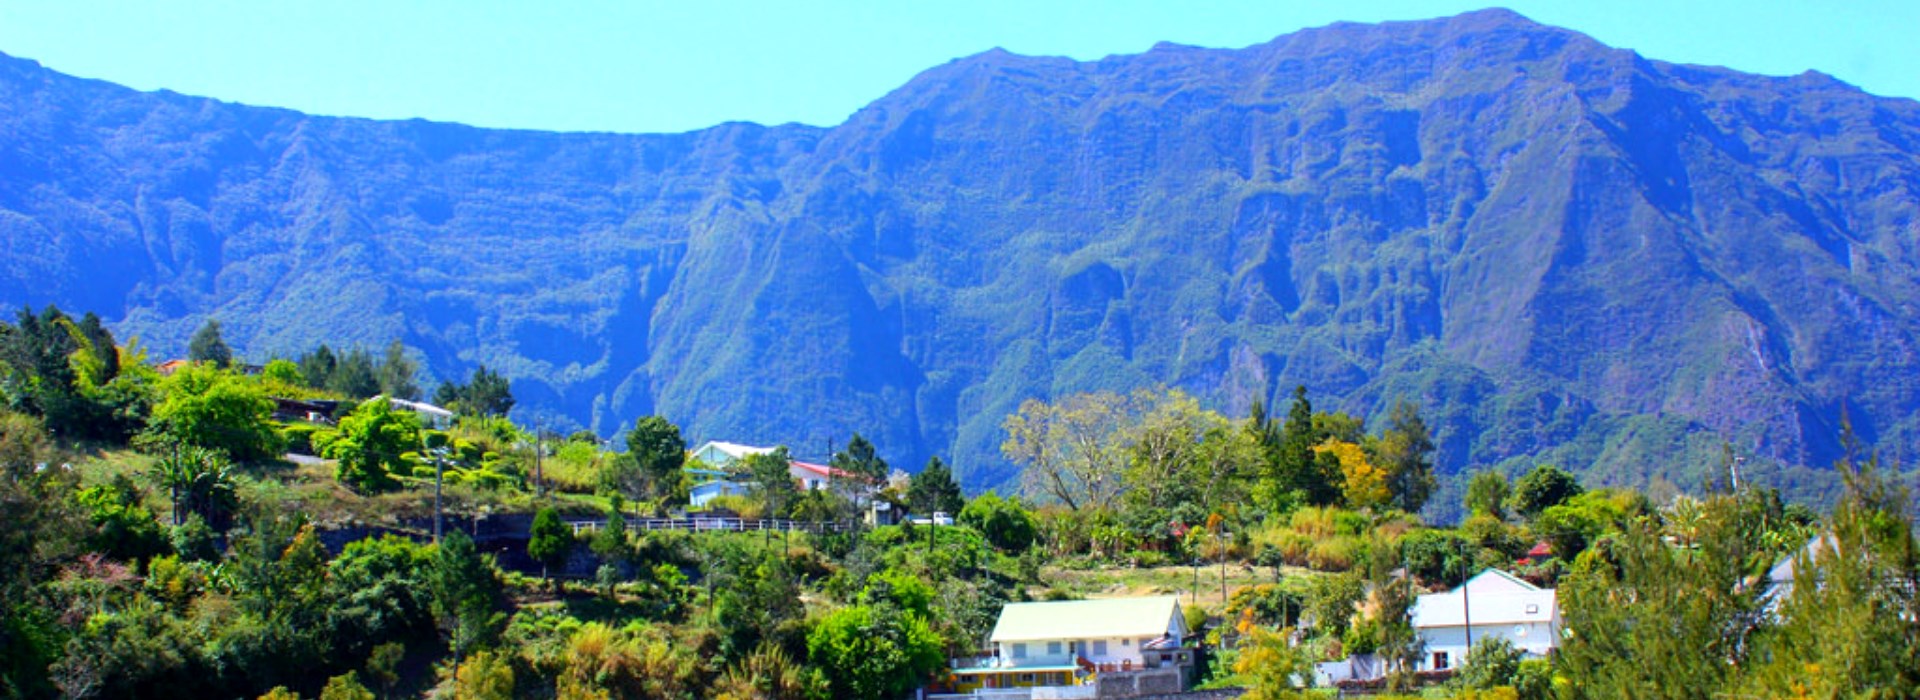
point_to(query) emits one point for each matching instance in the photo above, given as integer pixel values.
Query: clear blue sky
(647, 65)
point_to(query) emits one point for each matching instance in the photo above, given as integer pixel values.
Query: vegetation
(185, 558)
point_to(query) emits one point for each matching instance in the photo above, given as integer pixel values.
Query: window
(1053, 648)
(1126, 642)
(1099, 647)
(1439, 660)
(1026, 678)
(1533, 608)
(1019, 650)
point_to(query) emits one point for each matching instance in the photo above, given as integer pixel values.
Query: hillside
(1565, 251)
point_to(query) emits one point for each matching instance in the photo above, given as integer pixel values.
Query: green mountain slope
(1565, 251)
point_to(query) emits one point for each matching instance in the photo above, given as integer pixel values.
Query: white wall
(1535, 638)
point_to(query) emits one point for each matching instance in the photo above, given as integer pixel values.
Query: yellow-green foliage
(574, 467)
(1335, 553)
(1327, 539)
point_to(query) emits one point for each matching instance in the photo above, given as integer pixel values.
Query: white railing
(1006, 662)
(583, 527)
(987, 693)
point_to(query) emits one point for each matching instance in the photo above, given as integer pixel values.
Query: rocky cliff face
(1564, 251)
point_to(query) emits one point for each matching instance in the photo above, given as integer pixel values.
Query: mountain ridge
(1565, 250)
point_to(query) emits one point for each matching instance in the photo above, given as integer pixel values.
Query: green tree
(550, 541)
(103, 356)
(317, 367)
(610, 541)
(1272, 664)
(1071, 451)
(1007, 525)
(199, 482)
(657, 447)
(345, 686)
(123, 529)
(933, 490)
(354, 375)
(370, 445)
(1487, 494)
(283, 372)
(1405, 452)
(772, 478)
(208, 346)
(1494, 662)
(383, 665)
(1700, 600)
(1544, 487)
(464, 590)
(1848, 621)
(1298, 474)
(869, 653)
(217, 410)
(484, 676)
(486, 394)
(861, 461)
(396, 373)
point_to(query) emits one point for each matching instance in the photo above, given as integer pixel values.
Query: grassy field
(1121, 581)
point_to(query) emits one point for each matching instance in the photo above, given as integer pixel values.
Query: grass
(1111, 582)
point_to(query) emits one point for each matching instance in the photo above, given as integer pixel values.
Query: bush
(1007, 525)
(1148, 559)
(1438, 556)
(299, 437)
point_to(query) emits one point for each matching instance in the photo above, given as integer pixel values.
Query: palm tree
(198, 481)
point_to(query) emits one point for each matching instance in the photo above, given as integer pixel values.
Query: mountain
(1564, 251)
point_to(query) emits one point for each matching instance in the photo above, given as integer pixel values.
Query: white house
(1491, 605)
(1061, 642)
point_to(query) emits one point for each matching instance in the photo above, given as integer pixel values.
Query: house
(1071, 642)
(705, 491)
(287, 410)
(1491, 605)
(722, 460)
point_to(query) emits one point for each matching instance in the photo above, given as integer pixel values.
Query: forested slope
(1564, 251)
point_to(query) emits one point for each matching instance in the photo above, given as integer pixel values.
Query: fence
(584, 527)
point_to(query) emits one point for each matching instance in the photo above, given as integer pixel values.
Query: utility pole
(1466, 611)
(1196, 579)
(1223, 572)
(439, 468)
(539, 453)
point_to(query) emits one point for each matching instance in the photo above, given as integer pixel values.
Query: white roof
(1494, 597)
(1109, 618)
(1782, 572)
(419, 407)
(734, 450)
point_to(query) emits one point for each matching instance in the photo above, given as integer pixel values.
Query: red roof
(820, 469)
(1540, 551)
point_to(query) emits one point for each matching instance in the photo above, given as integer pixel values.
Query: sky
(654, 66)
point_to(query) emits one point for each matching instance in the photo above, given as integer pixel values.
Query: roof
(818, 469)
(1494, 597)
(1086, 619)
(1816, 547)
(734, 450)
(419, 407)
